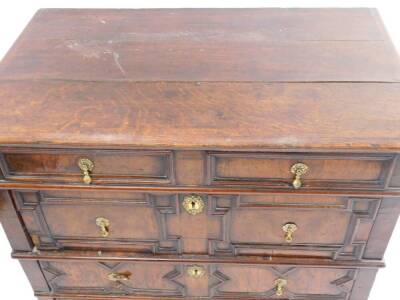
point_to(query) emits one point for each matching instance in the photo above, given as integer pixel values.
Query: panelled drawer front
(70, 219)
(109, 166)
(324, 170)
(211, 280)
(129, 167)
(326, 226)
(331, 227)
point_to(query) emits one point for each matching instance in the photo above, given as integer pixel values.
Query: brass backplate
(193, 204)
(196, 271)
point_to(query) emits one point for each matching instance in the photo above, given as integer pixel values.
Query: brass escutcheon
(289, 229)
(104, 225)
(280, 284)
(193, 204)
(298, 170)
(118, 277)
(86, 166)
(196, 271)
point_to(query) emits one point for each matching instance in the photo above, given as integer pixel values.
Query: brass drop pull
(118, 277)
(298, 170)
(193, 204)
(280, 284)
(104, 225)
(86, 166)
(196, 271)
(289, 229)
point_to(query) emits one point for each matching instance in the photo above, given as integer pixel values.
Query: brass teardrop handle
(196, 271)
(118, 277)
(298, 170)
(86, 166)
(280, 284)
(193, 204)
(289, 229)
(104, 225)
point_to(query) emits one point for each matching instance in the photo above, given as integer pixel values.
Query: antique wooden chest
(200, 153)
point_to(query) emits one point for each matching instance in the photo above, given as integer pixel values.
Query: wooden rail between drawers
(263, 260)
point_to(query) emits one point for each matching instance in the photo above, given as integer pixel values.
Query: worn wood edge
(15, 231)
(363, 284)
(4, 79)
(80, 296)
(128, 147)
(12, 223)
(9, 185)
(72, 255)
(350, 148)
(35, 275)
(382, 229)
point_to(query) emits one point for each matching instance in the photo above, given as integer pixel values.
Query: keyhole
(193, 204)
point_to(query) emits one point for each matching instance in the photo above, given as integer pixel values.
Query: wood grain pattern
(196, 169)
(137, 221)
(204, 45)
(215, 102)
(113, 256)
(270, 70)
(207, 115)
(163, 279)
(325, 170)
(125, 167)
(329, 227)
(19, 239)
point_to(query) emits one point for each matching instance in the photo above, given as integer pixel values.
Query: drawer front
(197, 280)
(97, 220)
(107, 166)
(279, 170)
(275, 225)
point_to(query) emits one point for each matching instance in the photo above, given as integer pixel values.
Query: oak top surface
(203, 79)
(204, 45)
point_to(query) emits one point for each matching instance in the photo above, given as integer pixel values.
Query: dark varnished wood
(196, 168)
(326, 170)
(221, 276)
(164, 279)
(112, 256)
(4, 185)
(19, 239)
(329, 227)
(218, 102)
(110, 166)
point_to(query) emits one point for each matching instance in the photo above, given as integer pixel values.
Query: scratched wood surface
(204, 45)
(203, 79)
(193, 88)
(207, 115)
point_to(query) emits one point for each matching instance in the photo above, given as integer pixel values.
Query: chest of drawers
(200, 153)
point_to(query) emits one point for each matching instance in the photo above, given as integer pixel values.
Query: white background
(14, 15)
